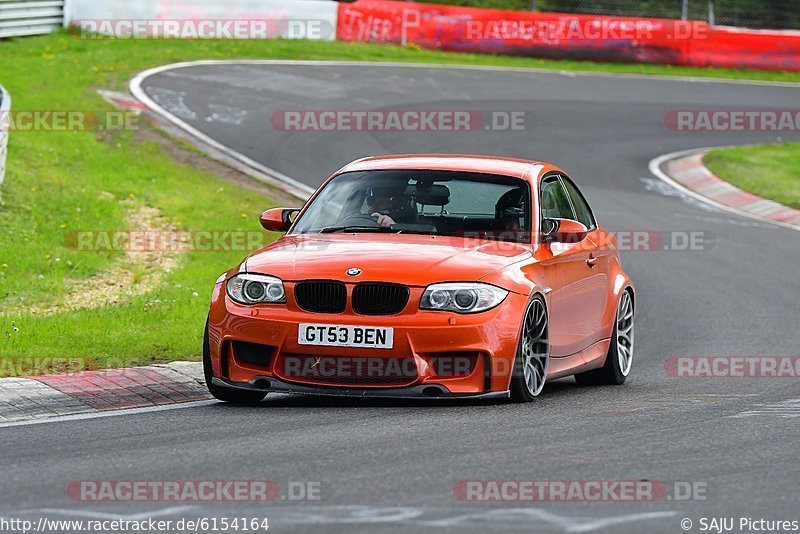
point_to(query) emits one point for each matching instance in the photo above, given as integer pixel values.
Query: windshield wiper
(356, 228)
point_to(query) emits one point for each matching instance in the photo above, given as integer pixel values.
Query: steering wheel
(358, 219)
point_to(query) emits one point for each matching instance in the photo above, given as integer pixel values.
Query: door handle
(592, 261)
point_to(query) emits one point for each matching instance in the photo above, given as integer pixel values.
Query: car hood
(414, 260)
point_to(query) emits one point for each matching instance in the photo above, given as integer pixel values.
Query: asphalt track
(391, 465)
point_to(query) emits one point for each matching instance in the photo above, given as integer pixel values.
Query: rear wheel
(234, 396)
(533, 353)
(620, 350)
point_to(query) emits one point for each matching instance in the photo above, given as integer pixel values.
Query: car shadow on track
(553, 391)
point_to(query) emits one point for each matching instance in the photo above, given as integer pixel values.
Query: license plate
(328, 335)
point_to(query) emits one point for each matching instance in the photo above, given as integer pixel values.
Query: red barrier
(555, 35)
(747, 49)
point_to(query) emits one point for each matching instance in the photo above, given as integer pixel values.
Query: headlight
(256, 289)
(462, 297)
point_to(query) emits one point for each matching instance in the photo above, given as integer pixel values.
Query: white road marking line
(619, 520)
(112, 516)
(109, 413)
(568, 524)
(394, 64)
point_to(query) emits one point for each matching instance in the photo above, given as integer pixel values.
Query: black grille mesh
(379, 299)
(321, 296)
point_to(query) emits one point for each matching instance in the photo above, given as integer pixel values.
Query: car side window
(582, 210)
(555, 203)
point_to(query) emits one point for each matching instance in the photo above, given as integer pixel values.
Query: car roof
(519, 168)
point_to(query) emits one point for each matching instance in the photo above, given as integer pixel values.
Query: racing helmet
(511, 208)
(386, 198)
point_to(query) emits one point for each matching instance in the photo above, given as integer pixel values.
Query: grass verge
(771, 171)
(60, 183)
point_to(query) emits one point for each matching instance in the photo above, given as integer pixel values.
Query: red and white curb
(92, 392)
(686, 172)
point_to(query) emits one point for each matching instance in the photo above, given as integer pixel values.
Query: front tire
(234, 396)
(620, 350)
(533, 353)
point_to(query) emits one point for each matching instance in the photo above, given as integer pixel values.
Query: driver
(390, 205)
(510, 210)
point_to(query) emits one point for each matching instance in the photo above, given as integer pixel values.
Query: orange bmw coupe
(442, 276)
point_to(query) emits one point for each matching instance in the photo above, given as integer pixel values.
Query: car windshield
(447, 203)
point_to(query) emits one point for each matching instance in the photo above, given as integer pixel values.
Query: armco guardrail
(30, 17)
(560, 35)
(5, 107)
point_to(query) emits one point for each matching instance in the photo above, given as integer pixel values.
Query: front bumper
(273, 385)
(420, 338)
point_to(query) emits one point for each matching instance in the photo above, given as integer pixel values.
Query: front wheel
(533, 353)
(234, 396)
(620, 350)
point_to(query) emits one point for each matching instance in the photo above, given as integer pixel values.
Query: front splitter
(413, 392)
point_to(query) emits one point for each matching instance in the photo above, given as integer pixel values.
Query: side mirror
(278, 219)
(563, 231)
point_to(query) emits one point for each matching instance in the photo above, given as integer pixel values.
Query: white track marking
(226, 114)
(109, 413)
(566, 523)
(428, 517)
(112, 516)
(174, 101)
(787, 408)
(618, 520)
(655, 168)
(658, 186)
(500, 518)
(489, 68)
